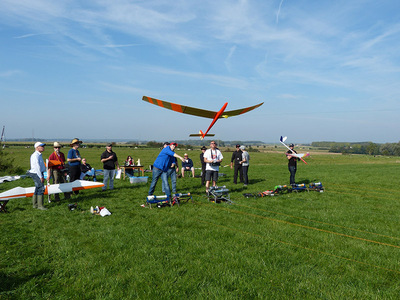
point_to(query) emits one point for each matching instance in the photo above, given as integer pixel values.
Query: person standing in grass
(203, 166)
(110, 161)
(292, 164)
(161, 166)
(213, 158)
(245, 164)
(37, 174)
(74, 161)
(56, 170)
(235, 163)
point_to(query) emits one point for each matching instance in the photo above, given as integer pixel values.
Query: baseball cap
(242, 147)
(166, 143)
(237, 145)
(38, 144)
(203, 148)
(174, 144)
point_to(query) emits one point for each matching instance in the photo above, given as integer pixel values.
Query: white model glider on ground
(21, 192)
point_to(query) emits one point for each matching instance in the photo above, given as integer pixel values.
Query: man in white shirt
(212, 158)
(36, 173)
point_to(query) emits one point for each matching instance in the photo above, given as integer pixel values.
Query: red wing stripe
(176, 107)
(160, 103)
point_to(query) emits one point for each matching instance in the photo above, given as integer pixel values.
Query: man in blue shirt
(161, 166)
(74, 161)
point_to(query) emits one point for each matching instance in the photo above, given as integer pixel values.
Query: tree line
(370, 148)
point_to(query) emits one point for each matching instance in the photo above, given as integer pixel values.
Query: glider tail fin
(201, 134)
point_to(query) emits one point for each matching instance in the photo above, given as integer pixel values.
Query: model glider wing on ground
(215, 115)
(294, 154)
(20, 192)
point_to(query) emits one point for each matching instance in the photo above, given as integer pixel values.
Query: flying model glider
(214, 115)
(294, 154)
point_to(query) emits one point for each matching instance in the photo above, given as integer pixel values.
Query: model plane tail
(201, 134)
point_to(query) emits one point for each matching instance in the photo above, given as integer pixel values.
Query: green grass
(343, 243)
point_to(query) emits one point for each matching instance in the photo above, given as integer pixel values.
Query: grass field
(343, 243)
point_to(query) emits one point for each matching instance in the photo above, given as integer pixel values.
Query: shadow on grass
(10, 282)
(306, 181)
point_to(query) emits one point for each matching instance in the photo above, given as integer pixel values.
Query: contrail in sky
(279, 11)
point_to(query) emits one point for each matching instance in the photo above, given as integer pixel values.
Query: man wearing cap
(203, 166)
(235, 162)
(56, 165)
(292, 164)
(171, 173)
(187, 165)
(36, 173)
(110, 161)
(161, 166)
(245, 164)
(74, 161)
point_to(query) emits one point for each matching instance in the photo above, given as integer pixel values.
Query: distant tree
(396, 150)
(372, 149)
(387, 149)
(154, 144)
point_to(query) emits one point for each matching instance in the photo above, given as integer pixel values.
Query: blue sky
(325, 70)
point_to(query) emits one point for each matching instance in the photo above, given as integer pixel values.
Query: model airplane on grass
(214, 115)
(294, 154)
(21, 192)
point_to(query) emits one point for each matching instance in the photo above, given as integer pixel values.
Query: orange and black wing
(197, 111)
(237, 112)
(181, 108)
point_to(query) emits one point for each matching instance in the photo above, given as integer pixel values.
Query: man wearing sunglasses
(212, 158)
(56, 165)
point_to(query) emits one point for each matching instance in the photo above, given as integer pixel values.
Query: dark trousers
(203, 175)
(292, 170)
(245, 170)
(238, 168)
(74, 174)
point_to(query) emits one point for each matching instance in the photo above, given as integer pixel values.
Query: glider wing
(197, 111)
(181, 108)
(237, 112)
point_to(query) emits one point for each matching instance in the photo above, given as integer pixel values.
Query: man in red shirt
(56, 165)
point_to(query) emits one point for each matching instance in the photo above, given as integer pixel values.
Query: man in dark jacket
(235, 162)
(203, 166)
(110, 161)
(292, 164)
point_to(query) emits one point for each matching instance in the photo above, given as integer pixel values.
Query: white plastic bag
(105, 212)
(118, 174)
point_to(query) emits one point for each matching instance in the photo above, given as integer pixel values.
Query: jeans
(157, 173)
(108, 174)
(245, 170)
(171, 173)
(91, 172)
(39, 186)
(292, 170)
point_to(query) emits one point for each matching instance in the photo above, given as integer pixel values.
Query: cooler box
(142, 179)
